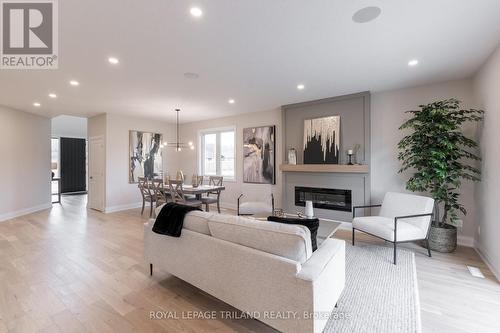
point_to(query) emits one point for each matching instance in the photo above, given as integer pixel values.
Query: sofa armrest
(320, 259)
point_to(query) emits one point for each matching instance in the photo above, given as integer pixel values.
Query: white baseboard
(465, 241)
(25, 211)
(486, 258)
(118, 208)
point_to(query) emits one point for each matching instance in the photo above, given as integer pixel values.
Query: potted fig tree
(440, 157)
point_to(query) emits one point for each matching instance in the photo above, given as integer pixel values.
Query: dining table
(199, 190)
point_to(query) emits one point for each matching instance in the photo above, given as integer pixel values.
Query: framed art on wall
(322, 140)
(259, 155)
(145, 159)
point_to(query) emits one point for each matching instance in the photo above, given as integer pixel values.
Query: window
(217, 153)
(54, 143)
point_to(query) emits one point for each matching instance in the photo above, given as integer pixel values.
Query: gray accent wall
(354, 111)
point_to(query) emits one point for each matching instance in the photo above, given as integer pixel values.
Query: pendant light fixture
(177, 144)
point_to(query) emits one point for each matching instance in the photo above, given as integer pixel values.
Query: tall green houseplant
(440, 157)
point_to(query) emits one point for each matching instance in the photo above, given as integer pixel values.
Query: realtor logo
(28, 34)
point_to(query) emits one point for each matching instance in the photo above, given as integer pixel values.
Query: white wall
(119, 193)
(69, 127)
(187, 159)
(487, 88)
(387, 114)
(25, 166)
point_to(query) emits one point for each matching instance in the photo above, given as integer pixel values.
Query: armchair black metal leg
(143, 204)
(428, 247)
(353, 236)
(151, 269)
(395, 244)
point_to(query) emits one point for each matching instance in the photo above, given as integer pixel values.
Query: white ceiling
(255, 51)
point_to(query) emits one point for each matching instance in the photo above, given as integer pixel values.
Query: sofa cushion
(198, 221)
(194, 221)
(288, 241)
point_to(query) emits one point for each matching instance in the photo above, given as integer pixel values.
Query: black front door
(73, 158)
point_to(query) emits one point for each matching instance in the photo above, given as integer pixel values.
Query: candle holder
(349, 157)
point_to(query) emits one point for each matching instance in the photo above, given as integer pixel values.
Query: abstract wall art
(322, 140)
(259, 155)
(145, 159)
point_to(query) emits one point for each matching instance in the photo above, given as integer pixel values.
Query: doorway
(69, 156)
(73, 159)
(96, 173)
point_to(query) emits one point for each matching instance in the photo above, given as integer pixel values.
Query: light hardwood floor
(70, 269)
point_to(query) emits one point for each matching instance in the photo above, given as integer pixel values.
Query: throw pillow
(311, 224)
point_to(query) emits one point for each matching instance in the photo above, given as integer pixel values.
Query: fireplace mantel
(325, 168)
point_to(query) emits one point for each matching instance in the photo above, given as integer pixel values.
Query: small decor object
(145, 158)
(322, 140)
(309, 209)
(278, 212)
(349, 157)
(259, 156)
(53, 166)
(179, 175)
(292, 156)
(441, 155)
(195, 180)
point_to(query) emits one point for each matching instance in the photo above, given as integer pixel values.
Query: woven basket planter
(443, 238)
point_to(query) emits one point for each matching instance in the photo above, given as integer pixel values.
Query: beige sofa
(265, 269)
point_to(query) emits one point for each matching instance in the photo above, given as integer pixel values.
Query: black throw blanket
(171, 219)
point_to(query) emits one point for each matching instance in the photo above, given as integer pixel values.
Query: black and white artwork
(145, 155)
(322, 140)
(259, 152)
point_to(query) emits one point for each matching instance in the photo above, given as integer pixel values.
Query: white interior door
(96, 173)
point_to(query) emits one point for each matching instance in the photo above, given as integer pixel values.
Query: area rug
(378, 296)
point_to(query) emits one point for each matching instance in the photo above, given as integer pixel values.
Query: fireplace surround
(354, 111)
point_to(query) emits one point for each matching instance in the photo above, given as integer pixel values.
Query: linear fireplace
(324, 198)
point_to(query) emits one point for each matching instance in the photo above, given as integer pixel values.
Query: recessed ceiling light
(196, 12)
(301, 86)
(190, 75)
(366, 14)
(74, 83)
(113, 60)
(36, 104)
(52, 95)
(231, 101)
(413, 63)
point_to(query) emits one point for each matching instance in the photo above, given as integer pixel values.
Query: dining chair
(214, 196)
(177, 194)
(147, 195)
(159, 193)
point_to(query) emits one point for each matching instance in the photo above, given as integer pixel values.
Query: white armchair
(402, 218)
(255, 207)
